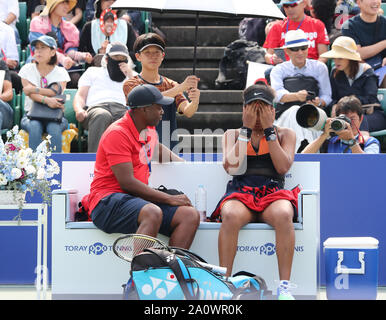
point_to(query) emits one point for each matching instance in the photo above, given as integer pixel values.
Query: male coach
(120, 198)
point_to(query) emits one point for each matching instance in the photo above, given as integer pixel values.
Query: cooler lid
(351, 242)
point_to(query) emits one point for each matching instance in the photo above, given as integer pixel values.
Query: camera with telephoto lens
(340, 123)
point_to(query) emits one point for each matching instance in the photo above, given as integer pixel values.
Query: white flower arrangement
(22, 169)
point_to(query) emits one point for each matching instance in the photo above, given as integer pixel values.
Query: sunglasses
(296, 49)
(292, 5)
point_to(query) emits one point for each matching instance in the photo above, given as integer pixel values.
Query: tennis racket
(128, 246)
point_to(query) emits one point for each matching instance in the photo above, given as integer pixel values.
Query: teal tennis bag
(158, 274)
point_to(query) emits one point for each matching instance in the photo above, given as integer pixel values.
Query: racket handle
(213, 268)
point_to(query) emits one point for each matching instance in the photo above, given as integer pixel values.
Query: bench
(85, 267)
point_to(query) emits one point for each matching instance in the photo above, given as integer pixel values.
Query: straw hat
(51, 4)
(295, 38)
(344, 48)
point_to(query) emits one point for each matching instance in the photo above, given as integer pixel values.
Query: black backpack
(233, 67)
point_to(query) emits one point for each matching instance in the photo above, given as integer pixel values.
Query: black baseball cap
(148, 39)
(145, 95)
(258, 92)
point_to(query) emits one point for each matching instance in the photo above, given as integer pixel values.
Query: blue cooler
(351, 268)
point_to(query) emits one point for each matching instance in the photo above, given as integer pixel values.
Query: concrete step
(182, 36)
(214, 121)
(219, 107)
(207, 57)
(221, 96)
(207, 75)
(179, 19)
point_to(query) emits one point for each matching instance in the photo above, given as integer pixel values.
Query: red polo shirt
(121, 143)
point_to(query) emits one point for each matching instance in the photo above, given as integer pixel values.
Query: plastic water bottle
(200, 201)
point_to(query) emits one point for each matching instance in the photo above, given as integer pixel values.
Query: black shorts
(118, 213)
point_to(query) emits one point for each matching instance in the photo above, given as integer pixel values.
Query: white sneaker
(283, 290)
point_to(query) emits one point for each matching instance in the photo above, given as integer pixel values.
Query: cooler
(351, 265)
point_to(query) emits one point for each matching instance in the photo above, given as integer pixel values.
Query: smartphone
(310, 95)
(61, 98)
(280, 53)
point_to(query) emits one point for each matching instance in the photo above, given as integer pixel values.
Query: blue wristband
(243, 139)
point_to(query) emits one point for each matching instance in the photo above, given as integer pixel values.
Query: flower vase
(12, 197)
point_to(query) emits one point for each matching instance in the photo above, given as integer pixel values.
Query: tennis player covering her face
(120, 199)
(258, 155)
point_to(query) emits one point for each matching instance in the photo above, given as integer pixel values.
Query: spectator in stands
(67, 35)
(324, 10)
(9, 51)
(258, 155)
(76, 14)
(368, 29)
(348, 140)
(135, 19)
(100, 100)
(150, 51)
(298, 81)
(255, 29)
(36, 78)
(345, 9)
(90, 10)
(296, 19)
(351, 77)
(35, 8)
(9, 14)
(120, 198)
(6, 95)
(95, 41)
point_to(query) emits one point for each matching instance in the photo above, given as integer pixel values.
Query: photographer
(298, 81)
(342, 134)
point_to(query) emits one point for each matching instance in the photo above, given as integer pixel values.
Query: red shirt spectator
(314, 29)
(296, 19)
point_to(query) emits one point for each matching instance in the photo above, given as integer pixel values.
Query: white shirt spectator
(8, 42)
(31, 73)
(312, 68)
(102, 88)
(7, 6)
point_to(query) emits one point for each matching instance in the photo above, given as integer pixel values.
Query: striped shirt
(164, 85)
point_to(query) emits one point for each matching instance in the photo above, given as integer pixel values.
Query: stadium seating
(381, 134)
(23, 24)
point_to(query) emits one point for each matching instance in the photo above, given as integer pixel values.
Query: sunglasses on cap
(296, 49)
(292, 5)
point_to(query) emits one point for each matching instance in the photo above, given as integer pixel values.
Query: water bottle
(200, 201)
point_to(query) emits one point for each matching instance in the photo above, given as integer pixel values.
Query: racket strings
(127, 248)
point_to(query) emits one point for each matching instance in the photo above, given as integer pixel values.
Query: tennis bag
(158, 274)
